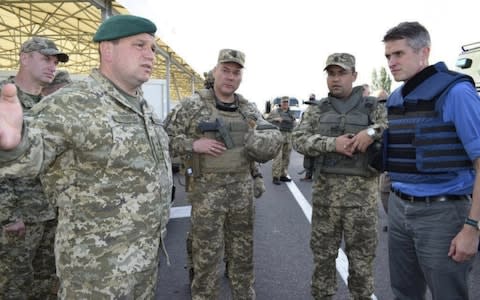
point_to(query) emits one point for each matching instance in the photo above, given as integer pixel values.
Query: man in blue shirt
(433, 154)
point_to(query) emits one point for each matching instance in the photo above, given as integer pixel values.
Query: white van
(468, 62)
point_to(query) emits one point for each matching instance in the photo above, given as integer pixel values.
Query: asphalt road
(283, 259)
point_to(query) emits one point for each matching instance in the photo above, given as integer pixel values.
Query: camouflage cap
(285, 99)
(230, 55)
(61, 77)
(120, 26)
(344, 60)
(43, 46)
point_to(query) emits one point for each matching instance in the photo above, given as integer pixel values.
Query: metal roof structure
(71, 24)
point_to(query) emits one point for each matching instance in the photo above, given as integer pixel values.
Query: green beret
(120, 26)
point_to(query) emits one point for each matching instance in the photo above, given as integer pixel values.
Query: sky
(286, 42)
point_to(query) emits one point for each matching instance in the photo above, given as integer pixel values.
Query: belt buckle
(442, 199)
(430, 199)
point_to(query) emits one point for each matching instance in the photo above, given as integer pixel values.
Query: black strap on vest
(230, 107)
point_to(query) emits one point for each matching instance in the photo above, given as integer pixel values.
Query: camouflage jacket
(23, 198)
(182, 127)
(106, 164)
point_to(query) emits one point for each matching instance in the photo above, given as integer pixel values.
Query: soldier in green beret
(102, 155)
(28, 221)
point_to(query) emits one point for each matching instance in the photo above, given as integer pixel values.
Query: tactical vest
(288, 120)
(232, 160)
(338, 117)
(420, 146)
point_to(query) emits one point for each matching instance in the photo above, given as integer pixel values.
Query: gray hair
(416, 34)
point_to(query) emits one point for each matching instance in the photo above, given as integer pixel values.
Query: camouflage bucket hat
(62, 77)
(344, 60)
(263, 143)
(43, 46)
(230, 55)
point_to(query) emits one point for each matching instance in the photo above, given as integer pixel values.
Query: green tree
(381, 80)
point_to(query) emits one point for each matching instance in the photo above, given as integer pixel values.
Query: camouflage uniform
(343, 206)
(282, 160)
(222, 201)
(27, 264)
(103, 156)
(258, 190)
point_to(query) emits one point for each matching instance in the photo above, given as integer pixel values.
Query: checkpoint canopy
(71, 25)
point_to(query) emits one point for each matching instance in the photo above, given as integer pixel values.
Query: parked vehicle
(293, 103)
(468, 62)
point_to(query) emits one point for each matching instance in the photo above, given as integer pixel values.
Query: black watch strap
(472, 222)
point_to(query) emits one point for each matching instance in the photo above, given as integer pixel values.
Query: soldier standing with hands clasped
(220, 135)
(102, 155)
(338, 131)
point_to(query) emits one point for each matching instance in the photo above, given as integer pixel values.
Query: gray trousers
(419, 236)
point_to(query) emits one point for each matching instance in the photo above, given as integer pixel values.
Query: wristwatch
(371, 132)
(473, 223)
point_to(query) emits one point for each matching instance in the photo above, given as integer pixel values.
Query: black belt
(440, 198)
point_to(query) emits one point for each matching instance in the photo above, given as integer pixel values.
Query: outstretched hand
(11, 118)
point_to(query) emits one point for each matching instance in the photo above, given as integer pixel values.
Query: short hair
(416, 34)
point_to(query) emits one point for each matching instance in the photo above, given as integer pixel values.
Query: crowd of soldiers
(86, 175)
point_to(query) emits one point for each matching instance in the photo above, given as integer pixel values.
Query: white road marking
(301, 200)
(180, 212)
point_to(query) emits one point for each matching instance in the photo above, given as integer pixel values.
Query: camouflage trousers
(282, 160)
(358, 227)
(226, 250)
(136, 286)
(27, 264)
(222, 218)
